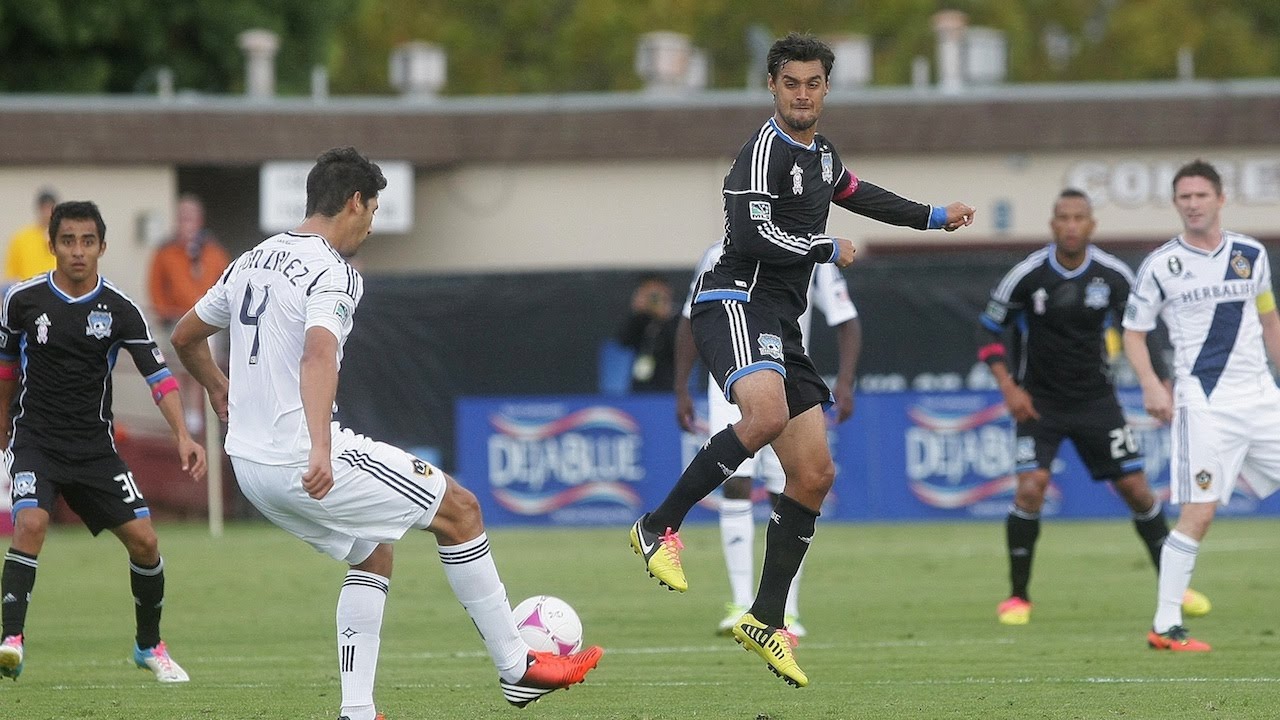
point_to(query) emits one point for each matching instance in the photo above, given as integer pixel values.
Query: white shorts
(1211, 446)
(765, 466)
(379, 492)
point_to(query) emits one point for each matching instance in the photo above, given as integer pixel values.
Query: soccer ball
(549, 624)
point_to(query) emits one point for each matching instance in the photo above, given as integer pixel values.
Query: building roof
(232, 131)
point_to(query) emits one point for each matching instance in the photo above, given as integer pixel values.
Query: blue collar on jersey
(1063, 271)
(83, 298)
(811, 146)
(1222, 243)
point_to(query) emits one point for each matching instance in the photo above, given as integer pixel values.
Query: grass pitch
(901, 621)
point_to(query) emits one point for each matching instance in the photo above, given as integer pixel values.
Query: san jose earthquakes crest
(99, 324)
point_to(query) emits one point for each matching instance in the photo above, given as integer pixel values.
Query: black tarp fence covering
(420, 342)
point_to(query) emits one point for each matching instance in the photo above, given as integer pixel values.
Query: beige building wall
(663, 214)
(135, 202)
(563, 216)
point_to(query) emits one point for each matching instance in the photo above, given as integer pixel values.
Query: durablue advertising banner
(569, 460)
(903, 456)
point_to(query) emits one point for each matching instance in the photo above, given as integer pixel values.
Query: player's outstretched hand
(219, 402)
(844, 252)
(191, 453)
(958, 215)
(1019, 403)
(684, 411)
(318, 479)
(1158, 402)
(844, 404)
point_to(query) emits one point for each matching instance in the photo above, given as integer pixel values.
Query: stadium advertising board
(904, 456)
(567, 460)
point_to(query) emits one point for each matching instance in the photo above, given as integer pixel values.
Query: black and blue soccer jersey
(1059, 317)
(777, 196)
(66, 347)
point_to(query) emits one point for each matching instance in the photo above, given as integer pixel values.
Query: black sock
(1021, 529)
(787, 539)
(16, 581)
(148, 600)
(717, 460)
(1153, 528)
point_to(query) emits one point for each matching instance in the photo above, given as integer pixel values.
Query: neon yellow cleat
(1195, 604)
(661, 554)
(774, 645)
(1014, 611)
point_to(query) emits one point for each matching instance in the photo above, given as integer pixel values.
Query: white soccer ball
(549, 624)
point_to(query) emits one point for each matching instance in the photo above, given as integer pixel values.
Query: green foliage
(117, 46)
(553, 46)
(901, 622)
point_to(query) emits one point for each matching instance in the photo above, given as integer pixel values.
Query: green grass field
(901, 621)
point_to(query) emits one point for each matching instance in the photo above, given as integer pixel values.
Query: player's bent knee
(29, 528)
(458, 519)
(737, 488)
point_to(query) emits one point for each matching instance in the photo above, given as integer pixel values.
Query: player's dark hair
(1072, 193)
(76, 210)
(340, 173)
(1199, 168)
(801, 47)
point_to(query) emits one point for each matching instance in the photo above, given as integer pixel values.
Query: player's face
(1072, 224)
(1199, 204)
(361, 223)
(798, 92)
(77, 247)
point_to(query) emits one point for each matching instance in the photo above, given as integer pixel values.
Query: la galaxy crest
(1240, 265)
(99, 324)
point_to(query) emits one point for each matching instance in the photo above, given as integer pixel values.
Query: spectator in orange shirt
(187, 265)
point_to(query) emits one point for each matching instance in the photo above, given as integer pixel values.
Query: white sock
(360, 606)
(737, 537)
(474, 578)
(793, 595)
(1177, 562)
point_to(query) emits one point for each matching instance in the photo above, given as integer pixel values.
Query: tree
(116, 46)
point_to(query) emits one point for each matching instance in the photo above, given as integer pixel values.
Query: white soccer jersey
(268, 298)
(828, 291)
(1209, 302)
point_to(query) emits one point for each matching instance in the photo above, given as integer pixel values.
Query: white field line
(953, 682)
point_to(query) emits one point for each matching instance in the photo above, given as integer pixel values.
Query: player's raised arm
(877, 203)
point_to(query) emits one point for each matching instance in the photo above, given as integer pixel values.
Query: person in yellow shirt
(28, 252)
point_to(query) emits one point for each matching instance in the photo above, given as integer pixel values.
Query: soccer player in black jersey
(777, 196)
(60, 333)
(1060, 301)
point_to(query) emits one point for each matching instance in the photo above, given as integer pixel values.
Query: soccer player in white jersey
(1212, 289)
(829, 292)
(289, 304)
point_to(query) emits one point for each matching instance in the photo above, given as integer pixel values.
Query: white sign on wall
(1140, 183)
(282, 196)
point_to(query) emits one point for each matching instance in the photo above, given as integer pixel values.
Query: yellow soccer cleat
(773, 644)
(1195, 604)
(661, 554)
(1014, 611)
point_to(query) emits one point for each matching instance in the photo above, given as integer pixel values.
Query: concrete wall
(135, 201)
(662, 214)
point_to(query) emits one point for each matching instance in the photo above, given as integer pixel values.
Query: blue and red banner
(590, 460)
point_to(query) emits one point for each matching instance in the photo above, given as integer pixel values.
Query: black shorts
(101, 491)
(738, 338)
(1097, 428)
